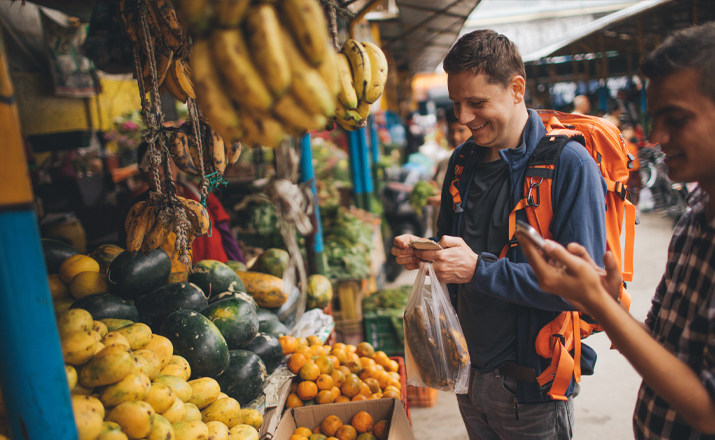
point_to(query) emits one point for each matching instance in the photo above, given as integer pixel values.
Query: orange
(335, 360)
(366, 436)
(381, 429)
(338, 377)
(373, 384)
(394, 383)
(383, 378)
(364, 374)
(338, 346)
(317, 350)
(325, 396)
(365, 361)
(375, 396)
(305, 351)
(341, 355)
(394, 375)
(324, 364)
(346, 432)
(390, 395)
(298, 437)
(317, 430)
(351, 385)
(309, 371)
(330, 425)
(296, 362)
(381, 358)
(335, 391)
(341, 399)
(324, 382)
(350, 348)
(362, 422)
(289, 343)
(307, 390)
(293, 401)
(391, 388)
(353, 365)
(392, 365)
(344, 369)
(302, 341)
(365, 349)
(314, 340)
(359, 397)
(302, 430)
(364, 389)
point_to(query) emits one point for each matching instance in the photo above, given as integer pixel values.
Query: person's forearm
(671, 378)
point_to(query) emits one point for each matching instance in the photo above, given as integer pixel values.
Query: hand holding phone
(530, 233)
(425, 245)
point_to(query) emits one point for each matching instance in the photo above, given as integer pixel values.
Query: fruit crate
(380, 332)
(422, 397)
(403, 384)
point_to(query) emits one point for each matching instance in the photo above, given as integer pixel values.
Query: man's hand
(455, 263)
(403, 252)
(571, 273)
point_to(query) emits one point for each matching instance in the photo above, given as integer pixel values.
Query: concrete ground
(605, 404)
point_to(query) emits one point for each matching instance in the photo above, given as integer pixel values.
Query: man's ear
(518, 88)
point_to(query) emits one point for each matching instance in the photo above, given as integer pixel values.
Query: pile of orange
(338, 373)
(361, 427)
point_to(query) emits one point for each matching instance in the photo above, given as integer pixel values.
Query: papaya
(266, 290)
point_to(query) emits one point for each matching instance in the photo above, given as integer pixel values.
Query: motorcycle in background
(666, 196)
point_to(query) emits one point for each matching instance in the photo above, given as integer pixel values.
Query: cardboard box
(311, 416)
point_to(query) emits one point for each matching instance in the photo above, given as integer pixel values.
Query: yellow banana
(347, 94)
(378, 72)
(139, 227)
(308, 85)
(218, 153)
(181, 75)
(230, 13)
(163, 15)
(156, 235)
(216, 106)
(197, 215)
(294, 115)
(234, 62)
(233, 152)
(309, 27)
(364, 110)
(179, 149)
(134, 213)
(347, 118)
(360, 65)
(262, 129)
(329, 70)
(193, 148)
(162, 65)
(266, 42)
(194, 15)
(171, 84)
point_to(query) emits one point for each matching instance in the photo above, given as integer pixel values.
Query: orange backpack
(606, 145)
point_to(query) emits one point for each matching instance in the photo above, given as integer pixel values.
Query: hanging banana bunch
(266, 69)
(362, 68)
(215, 154)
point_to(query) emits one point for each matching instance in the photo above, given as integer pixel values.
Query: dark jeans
(490, 411)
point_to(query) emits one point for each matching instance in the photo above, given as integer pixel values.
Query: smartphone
(531, 233)
(425, 245)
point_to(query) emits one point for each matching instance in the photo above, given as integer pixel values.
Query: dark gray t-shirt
(488, 323)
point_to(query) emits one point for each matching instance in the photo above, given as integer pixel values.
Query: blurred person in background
(581, 105)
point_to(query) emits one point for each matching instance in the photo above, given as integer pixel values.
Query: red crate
(403, 384)
(422, 397)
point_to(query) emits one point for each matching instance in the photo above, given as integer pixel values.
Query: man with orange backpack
(674, 350)
(494, 179)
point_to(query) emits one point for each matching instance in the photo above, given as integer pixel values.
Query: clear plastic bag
(436, 352)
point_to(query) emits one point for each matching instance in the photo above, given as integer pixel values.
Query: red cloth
(205, 247)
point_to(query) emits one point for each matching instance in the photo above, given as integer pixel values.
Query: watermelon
(244, 377)
(197, 340)
(272, 261)
(268, 348)
(157, 305)
(272, 327)
(236, 318)
(106, 305)
(131, 276)
(214, 277)
(319, 291)
(236, 265)
(55, 252)
(264, 314)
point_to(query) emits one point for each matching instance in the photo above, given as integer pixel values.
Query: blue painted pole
(365, 168)
(32, 374)
(374, 142)
(355, 169)
(307, 174)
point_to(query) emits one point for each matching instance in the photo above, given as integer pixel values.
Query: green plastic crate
(380, 332)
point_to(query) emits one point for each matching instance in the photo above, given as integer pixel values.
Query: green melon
(245, 376)
(272, 261)
(214, 277)
(236, 319)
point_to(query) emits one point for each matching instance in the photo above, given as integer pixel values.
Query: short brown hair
(488, 52)
(689, 48)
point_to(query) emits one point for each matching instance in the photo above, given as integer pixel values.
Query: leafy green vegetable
(420, 192)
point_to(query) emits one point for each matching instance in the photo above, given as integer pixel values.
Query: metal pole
(32, 373)
(317, 260)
